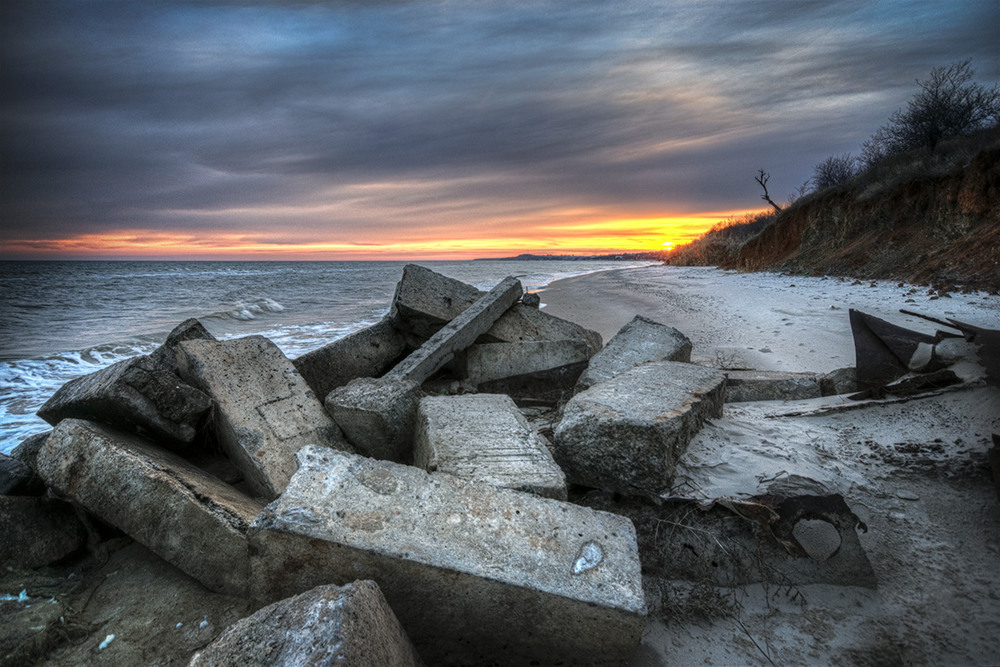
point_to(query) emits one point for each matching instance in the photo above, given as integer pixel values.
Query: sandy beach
(915, 472)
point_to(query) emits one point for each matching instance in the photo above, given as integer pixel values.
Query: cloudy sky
(339, 130)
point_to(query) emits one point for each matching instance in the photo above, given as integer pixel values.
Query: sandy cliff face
(939, 229)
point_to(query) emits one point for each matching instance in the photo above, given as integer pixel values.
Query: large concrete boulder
(627, 433)
(189, 518)
(425, 301)
(638, 342)
(190, 329)
(377, 416)
(18, 479)
(476, 574)
(328, 625)
(754, 385)
(265, 411)
(839, 381)
(459, 333)
(366, 353)
(141, 395)
(484, 437)
(499, 361)
(27, 450)
(37, 531)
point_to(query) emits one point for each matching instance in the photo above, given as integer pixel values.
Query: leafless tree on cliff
(762, 177)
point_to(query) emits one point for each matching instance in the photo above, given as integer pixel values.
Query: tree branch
(762, 178)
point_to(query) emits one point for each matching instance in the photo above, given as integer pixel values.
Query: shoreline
(767, 321)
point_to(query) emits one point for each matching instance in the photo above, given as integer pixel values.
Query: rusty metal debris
(885, 352)
(882, 350)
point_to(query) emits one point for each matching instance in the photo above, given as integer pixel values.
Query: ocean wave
(248, 310)
(25, 385)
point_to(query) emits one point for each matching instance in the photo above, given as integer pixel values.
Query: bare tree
(762, 178)
(833, 171)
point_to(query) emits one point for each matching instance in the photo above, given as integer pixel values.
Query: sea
(63, 319)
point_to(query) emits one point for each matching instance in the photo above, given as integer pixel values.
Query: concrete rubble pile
(389, 496)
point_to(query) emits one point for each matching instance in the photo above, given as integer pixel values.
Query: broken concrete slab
(839, 381)
(350, 624)
(189, 518)
(475, 573)
(190, 329)
(140, 395)
(458, 334)
(377, 416)
(754, 385)
(27, 450)
(497, 361)
(425, 301)
(366, 353)
(531, 300)
(36, 531)
(18, 479)
(522, 323)
(627, 433)
(265, 411)
(637, 342)
(485, 438)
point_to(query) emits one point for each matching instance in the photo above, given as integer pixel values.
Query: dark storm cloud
(150, 114)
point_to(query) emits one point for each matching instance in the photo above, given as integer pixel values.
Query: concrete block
(189, 518)
(425, 301)
(189, 329)
(496, 361)
(377, 416)
(366, 353)
(37, 531)
(458, 334)
(140, 395)
(484, 437)
(27, 450)
(840, 381)
(522, 323)
(627, 433)
(328, 625)
(18, 479)
(637, 342)
(265, 411)
(475, 574)
(754, 385)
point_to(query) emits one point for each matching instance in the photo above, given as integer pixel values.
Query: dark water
(59, 320)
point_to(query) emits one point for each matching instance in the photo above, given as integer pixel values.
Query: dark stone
(18, 479)
(38, 531)
(328, 625)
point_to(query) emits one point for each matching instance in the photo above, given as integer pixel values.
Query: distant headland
(654, 255)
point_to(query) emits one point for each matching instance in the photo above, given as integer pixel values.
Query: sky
(182, 129)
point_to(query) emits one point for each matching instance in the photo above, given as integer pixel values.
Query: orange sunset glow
(588, 234)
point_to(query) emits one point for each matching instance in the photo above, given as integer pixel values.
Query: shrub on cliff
(834, 170)
(723, 241)
(949, 104)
